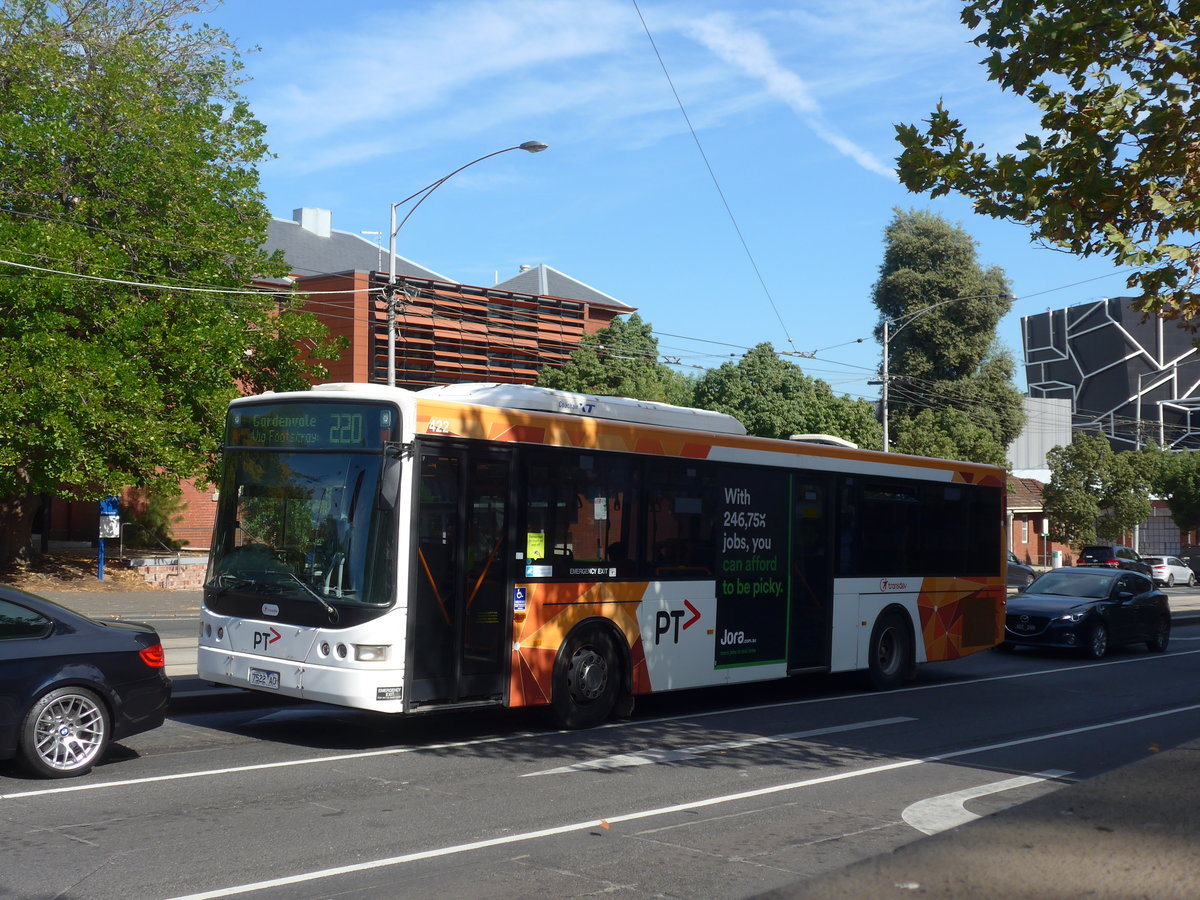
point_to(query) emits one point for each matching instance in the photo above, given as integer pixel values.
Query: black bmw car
(70, 685)
(1089, 609)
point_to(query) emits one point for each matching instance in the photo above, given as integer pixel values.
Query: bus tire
(890, 657)
(587, 678)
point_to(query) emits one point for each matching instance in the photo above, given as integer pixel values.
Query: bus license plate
(264, 678)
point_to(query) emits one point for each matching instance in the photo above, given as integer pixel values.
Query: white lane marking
(654, 756)
(947, 811)
(637, 723)
(455, 849)
(282, 764)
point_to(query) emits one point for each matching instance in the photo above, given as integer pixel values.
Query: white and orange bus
(491, 544)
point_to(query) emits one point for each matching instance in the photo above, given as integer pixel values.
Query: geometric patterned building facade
(1131, 379)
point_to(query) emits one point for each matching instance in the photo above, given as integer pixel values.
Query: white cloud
(751, 53)
(409, 62)
(354, 88)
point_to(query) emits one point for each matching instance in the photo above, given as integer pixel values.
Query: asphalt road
(722, 793)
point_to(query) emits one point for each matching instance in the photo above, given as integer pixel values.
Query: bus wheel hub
(588, 674)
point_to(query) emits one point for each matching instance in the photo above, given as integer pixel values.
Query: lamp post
(888, 334)
(393, 229)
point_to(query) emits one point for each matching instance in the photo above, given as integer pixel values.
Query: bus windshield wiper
(334, 615)
(223, 584)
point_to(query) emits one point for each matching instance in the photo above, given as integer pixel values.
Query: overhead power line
(713, 175)
(245, 292)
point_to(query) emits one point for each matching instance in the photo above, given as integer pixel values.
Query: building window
(1024, 531)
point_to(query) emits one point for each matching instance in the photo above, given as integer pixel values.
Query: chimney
(318, 221)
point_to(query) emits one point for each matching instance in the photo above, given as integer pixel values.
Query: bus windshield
(302, 524)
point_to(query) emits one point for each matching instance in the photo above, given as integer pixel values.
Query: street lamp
(423, 193)
(887, 339)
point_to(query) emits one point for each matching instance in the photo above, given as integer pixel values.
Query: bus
(509, 545)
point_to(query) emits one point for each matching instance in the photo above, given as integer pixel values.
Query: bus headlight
(372, 652)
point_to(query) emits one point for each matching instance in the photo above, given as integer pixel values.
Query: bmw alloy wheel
(65, 732)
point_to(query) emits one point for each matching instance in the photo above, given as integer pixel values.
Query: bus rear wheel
(891, 652)
(586, 679)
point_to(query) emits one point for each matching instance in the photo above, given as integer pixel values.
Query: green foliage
(151, 519)
(947, 434)
(1178, 481)
(1112, 169)
(947, 358)
(774, 398)
(1095, 493)
(620, 361)
(126, 154)
(928, 261)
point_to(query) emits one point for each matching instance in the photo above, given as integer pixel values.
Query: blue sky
(794, 103)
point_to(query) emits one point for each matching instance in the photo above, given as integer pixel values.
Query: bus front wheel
(586, 679)
(891, 652)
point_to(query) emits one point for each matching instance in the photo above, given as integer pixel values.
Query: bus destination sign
(311, 426)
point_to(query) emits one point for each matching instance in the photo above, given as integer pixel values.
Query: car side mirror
(1122, 596)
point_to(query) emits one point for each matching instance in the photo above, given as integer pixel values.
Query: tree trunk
(16, 529)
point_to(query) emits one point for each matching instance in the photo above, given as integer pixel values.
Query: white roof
(830, 439)
(617, 409)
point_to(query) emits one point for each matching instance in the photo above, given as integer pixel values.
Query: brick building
(1027, 525)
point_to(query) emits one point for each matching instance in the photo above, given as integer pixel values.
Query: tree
(774, 398)
(1113, 170)
(620, 360)
(1178, 481)
(949, 357)
(948, 434)
(127, 162)
(1095, 493)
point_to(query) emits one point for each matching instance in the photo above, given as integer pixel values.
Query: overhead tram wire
(244, 292)
(915, 399)
(290, 289)
(112, 232)
(713, 175)
(283, 290)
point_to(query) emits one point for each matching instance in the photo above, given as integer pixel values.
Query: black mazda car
(1089, 610)
(70, 685)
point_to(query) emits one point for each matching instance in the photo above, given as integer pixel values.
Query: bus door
(810, 615)
(459, 616)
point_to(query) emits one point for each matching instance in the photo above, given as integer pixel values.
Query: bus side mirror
(389, 482)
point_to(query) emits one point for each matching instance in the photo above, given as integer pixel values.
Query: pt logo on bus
(665, 620)
(263, 638)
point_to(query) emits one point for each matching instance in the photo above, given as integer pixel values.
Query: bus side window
(681, 520)
(581, 508)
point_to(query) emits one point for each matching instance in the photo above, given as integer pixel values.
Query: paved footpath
(1128, 834)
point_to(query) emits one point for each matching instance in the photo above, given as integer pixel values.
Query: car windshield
(1154, 560)
(1067, 583)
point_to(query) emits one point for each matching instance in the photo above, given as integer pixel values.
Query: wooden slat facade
(448, 333)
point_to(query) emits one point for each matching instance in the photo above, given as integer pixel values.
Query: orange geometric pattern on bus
(942, 619)
(552, 610)
(509, 426)
(985, 479)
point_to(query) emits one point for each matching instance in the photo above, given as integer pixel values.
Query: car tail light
(153, 656)
(1113, 562)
